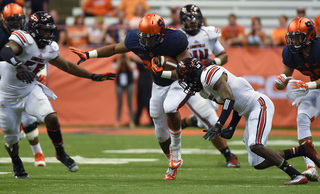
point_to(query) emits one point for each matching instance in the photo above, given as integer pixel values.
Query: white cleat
(311, 173)
(175, 156)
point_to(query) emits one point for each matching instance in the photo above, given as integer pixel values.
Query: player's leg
(259, 127)
(40, 107)
(129, 98)
(205, 115)
(119, 106)
(160, 124)
(307, 111)
(29, 125)
(9, 122)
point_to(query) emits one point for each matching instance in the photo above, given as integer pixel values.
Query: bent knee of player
(303, 126)
(256, 148)
(11, 139)
(32, 134)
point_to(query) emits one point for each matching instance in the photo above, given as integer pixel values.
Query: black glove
(103, 77)
(227, 133)
(24, 73)
(212, 132)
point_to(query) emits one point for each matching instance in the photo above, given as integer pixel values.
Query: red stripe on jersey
(20, 35)
(210, 74)
(262, 120)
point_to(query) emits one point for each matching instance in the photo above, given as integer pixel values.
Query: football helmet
(191, 19)
(42, 28)
(188, 73)
(151, 31)
(301, 33)
(13, 17)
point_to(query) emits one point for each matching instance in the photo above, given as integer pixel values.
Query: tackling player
(302, 54)
(203, 42)
(13, 18)
(237, 95)
(26, 54)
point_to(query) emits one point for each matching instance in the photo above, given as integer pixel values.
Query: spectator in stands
(118, 31)
(279, 33)
(175, 19)
(256, 37)
(130, 6)
(317, 24)
(97, 32)
(78, 33)
(233, 33)
(124, 80)
(98, 8)
(138, 14)
(301, 12)
(60, 33)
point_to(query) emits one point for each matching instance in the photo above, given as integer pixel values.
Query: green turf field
(135, 164)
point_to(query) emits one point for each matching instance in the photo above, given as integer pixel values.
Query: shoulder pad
(213, 32)
(54, 45)
(21, 37)
(210, 75)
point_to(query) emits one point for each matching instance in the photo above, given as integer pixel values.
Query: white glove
(299, 91)
(282, 80)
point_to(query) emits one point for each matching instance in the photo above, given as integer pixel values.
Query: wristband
(93, 54)
(312, 85)
(217, 61)
(166, 74)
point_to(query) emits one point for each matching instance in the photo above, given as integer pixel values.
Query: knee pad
(11, 139)
(303, 126)
(32, 134)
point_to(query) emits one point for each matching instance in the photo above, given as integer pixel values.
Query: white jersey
(205, 43)
(242, 91)
(33, 57)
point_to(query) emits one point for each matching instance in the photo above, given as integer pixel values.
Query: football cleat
(19, 171)
(171, 173)
(232, 162)
(298, 180)
(311, 153)
(311, 173)
(175, 156)
(39, 159)
(69, 163)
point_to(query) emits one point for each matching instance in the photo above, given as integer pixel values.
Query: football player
(203, 42)
(25, 55)
(13, 18)
(301, 53)
(237, 96)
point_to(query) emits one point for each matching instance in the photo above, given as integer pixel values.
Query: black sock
(226, 152)
(16, 160)
(294, 152)
(287, 168)
(59, 149)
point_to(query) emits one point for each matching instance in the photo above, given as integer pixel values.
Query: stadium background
(82, 102)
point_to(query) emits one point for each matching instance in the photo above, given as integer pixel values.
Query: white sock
(36, 148)
(175, 137)
(308, 161)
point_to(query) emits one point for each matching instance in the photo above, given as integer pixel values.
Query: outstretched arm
(78, 71)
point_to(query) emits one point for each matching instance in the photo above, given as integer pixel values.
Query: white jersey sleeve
(214, 36)
(21, 37)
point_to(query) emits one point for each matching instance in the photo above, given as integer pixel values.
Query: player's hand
(227, 133)
(212, 132)
(207, 62)
(84, 55)
(299, 85)
(282, 81)
(103, 77)
(42, 79)
(24, 73)
(156, 67)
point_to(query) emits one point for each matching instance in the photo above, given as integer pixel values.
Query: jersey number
(200, 54)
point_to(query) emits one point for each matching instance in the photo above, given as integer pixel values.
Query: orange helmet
(13, 17)
(151, 31)
(301, 32)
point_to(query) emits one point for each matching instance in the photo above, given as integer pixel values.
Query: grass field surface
(135, 164)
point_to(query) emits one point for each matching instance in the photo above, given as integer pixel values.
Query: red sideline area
(82, 102)
(150, 131)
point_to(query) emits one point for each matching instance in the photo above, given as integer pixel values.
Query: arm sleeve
(8, 55)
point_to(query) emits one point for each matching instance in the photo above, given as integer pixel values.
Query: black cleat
(19, 171)
(69, 163)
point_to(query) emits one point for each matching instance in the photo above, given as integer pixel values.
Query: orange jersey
(278, 36)
(129, 7)
(231, 31)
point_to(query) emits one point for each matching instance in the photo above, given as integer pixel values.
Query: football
(168, 63)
